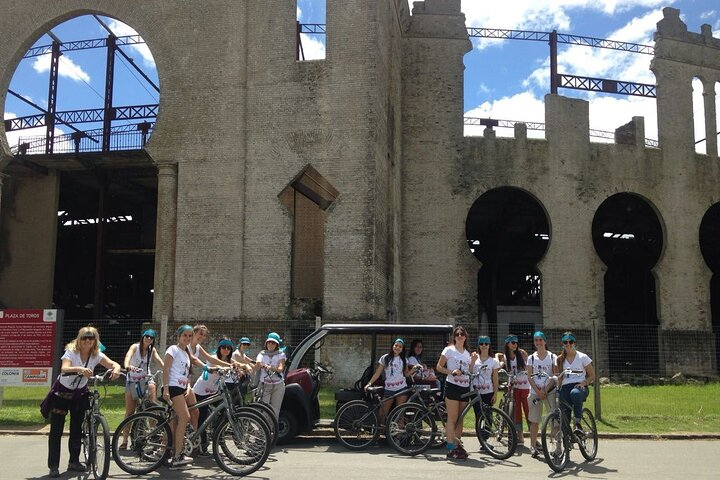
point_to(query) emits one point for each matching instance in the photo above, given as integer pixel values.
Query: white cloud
(122, 30)
(67, 67)
(541, 15)
(313, 48)
(606, 113)
(30, 134)
(708, 14)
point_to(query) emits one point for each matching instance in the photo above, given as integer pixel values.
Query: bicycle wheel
(411, 429)
(99, 442)
(554, 442)
(440, 416)
(242, 445)
(268, 414)
(356, 425)
(496, 433)
(588, 440)
(150, 443)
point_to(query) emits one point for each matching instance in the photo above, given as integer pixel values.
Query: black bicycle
(95, 439)
(558, 436)
(241, 436)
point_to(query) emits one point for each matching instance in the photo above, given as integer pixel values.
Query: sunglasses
(460, 335)
(88, 338)
(512, 343)
(148, 336)
(568, 342)
(224, 346)
(483, 344)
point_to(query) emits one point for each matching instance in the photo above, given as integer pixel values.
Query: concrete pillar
(710, 118)
(572, 297)
(165, 241)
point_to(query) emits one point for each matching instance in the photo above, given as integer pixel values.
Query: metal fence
(635, 354)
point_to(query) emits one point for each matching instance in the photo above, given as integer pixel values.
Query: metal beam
(605, 85)
(90, 115)
(109, 81)
(84, 45)
(52, 96)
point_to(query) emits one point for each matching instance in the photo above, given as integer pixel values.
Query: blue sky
(503, 79)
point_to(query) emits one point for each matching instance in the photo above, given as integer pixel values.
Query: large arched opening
(508, 231)
(628, 237)
(79, 202)
(710, 248)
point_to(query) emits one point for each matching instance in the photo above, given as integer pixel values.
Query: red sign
(27, 338)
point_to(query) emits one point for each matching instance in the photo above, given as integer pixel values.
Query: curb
(329, 434)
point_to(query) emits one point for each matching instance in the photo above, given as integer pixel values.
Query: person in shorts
(541, 368)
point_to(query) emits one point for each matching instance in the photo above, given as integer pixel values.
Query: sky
(504, 79)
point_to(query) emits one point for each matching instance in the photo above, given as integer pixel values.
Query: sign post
(30, 340)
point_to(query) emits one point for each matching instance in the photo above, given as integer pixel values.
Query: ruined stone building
(343, 187)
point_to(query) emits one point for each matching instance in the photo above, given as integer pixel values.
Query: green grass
(653, 409)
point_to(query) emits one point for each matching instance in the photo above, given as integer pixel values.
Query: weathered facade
(381, 121)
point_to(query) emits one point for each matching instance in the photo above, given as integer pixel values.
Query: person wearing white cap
(271, 363)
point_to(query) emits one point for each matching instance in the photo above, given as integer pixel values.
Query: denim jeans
(574, 395)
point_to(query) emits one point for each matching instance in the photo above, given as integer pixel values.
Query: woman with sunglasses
(486, 367)
(81, 357)
(240, 355)
(514, 360)
(574, 388)
(138, 380)
(540, 364)
(455, 363)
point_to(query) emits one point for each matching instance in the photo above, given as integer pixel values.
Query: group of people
(534, 377)
(84, 353)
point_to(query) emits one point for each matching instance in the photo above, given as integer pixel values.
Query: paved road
(24, 457)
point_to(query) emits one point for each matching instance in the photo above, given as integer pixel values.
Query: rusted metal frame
(52, 97)
(108, 113)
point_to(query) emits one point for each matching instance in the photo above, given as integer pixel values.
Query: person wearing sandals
(176, 390)
(455, 363)
(515, 360)
(574, 388)
(486, 367)
(137, 365)
(271, 364)
(81, 357)
(395, 367)
(540, 362)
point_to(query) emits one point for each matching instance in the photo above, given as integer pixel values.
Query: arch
(508, 231)
(698, 101)
(75, 15)
(709, 239)
(628, 237)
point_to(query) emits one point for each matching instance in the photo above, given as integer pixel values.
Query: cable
(136, 78)
(86, 83)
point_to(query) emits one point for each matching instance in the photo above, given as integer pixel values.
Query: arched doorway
(628, 237)
(710, 248)
(508, 231)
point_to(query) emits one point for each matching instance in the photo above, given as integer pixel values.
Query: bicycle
(241, 436)
(357, 425)
(558, 437)
(95, 427)
(144, 404)
(507, 404)
(414, 426)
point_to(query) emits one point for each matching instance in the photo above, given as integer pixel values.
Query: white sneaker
(181, 461)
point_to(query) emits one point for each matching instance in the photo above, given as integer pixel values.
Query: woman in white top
(540, 363)
(455, 363)
(271, 364)
(395, 367)
(574, 388)
(424, 374)
(137, 380)
(486, 367)
(241, 355)
(81, 357)
(176, 389)
(515, 360)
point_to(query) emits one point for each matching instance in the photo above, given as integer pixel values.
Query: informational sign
(27, 346)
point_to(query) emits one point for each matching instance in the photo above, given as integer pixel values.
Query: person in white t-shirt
(138, 385)
(176, 390)
(514, 360)
(540, 363)
(454, 362)
(395, 367)
(486, 367)
(422, 375)
(271, 363)
(574, 388)
(81, 357)
(242, 356)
